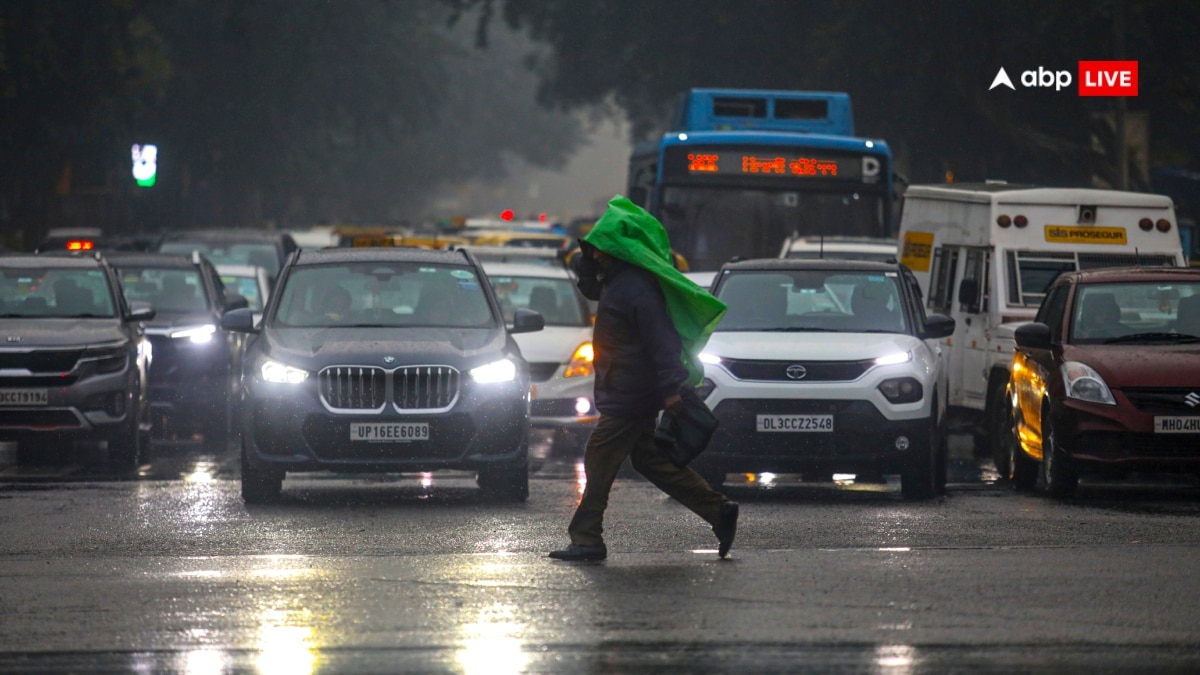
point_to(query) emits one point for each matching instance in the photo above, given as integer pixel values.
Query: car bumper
(286, 427)
(862, 438)
(95, 405)
(1123, 437)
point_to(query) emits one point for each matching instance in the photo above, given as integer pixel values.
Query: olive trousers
(614, 439)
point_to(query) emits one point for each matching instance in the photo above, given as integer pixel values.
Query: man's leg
(607, 446)
(683, 484)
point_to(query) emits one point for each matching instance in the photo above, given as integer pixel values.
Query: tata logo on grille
(389, 360)
(1192, 399)
(796, 372)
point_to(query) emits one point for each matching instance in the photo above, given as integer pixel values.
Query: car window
(816, 300)
(556, 299)
(168, 290)
(55, 293)
(262, 254)
(1113, 311)
(383, 294)
(246, 286)
(1052, 310)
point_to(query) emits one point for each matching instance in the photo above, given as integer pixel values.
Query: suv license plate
(1177, 425)
(795, 423)
(389, 432)
(23, 397)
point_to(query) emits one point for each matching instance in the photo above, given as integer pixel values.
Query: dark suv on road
(73, 359)
(383, 360)
(264, 248)
(196, 363)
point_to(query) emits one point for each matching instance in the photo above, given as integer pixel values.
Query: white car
(841, 248)
(825, 366)
(560, 356)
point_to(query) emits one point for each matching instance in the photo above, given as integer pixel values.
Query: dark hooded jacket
(636, 344)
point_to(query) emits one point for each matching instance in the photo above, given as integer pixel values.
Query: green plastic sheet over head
(628, 232)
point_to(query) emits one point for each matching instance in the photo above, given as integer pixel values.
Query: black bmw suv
(196, 363)
(73, 359)
(381, 360)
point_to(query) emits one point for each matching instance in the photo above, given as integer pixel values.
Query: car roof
(230, 235)
(843, 243)
(381, 254)
(524, 270)
(59, 259)
(809, 264)
(1116, 274)
(149, 259)
(240, 270)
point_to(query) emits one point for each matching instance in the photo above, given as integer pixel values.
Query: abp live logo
(1108, 78)
(1096, 78)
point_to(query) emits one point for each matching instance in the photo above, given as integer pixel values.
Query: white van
(984, 254)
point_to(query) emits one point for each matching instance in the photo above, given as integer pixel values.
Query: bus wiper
(1140, 337)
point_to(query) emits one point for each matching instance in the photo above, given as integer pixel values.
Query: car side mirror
(141, 311)
(240, 320)
(1032, 335)
(968, 294)
(527, 321)
(937, 326)
(235, 301)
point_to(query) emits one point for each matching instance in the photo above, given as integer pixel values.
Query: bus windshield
(711, 225)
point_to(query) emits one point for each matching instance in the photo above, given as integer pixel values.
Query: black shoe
(577, 552)
(726, 527)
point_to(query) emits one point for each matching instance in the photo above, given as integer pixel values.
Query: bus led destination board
(754, 163)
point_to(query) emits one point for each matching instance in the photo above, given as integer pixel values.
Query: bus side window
(943, 273)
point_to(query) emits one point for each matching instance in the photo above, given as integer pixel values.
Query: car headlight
(274, 371)
(196, 334)
(710, 359)
(893, 359)
(1085, 384)
(503, 370)
(581, 361)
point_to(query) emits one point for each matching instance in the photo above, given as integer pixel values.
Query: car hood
(553, 343)
(33, 333)
(315, 348)
(1140, 365)
(753, 345)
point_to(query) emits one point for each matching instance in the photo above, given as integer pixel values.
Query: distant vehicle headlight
(196, 334)
(496, 371)
(274, 371)
(1085, 384)
(581, 362)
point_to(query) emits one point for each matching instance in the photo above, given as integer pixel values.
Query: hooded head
(629, 232)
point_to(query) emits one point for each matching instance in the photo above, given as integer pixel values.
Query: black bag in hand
(685, 432)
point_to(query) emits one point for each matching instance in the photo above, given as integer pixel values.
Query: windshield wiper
(797, 329)
(1140, 337)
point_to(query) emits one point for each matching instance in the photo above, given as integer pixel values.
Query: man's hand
(672, 402)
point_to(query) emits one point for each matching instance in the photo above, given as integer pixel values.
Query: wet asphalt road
(168, 571)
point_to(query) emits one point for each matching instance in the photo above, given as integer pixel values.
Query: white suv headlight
(893, 359)
(496, 371)
(274, 371)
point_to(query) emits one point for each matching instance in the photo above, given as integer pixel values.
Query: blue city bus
(738, 171)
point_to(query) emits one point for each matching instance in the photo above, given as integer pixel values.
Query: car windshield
(170, 290)
(246, 286)
(555, 299)
(55, 293)
(1133, 312)
(261, 254)
(812, 300)
(383, 294)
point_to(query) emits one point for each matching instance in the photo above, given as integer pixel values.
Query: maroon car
(1107, 378)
